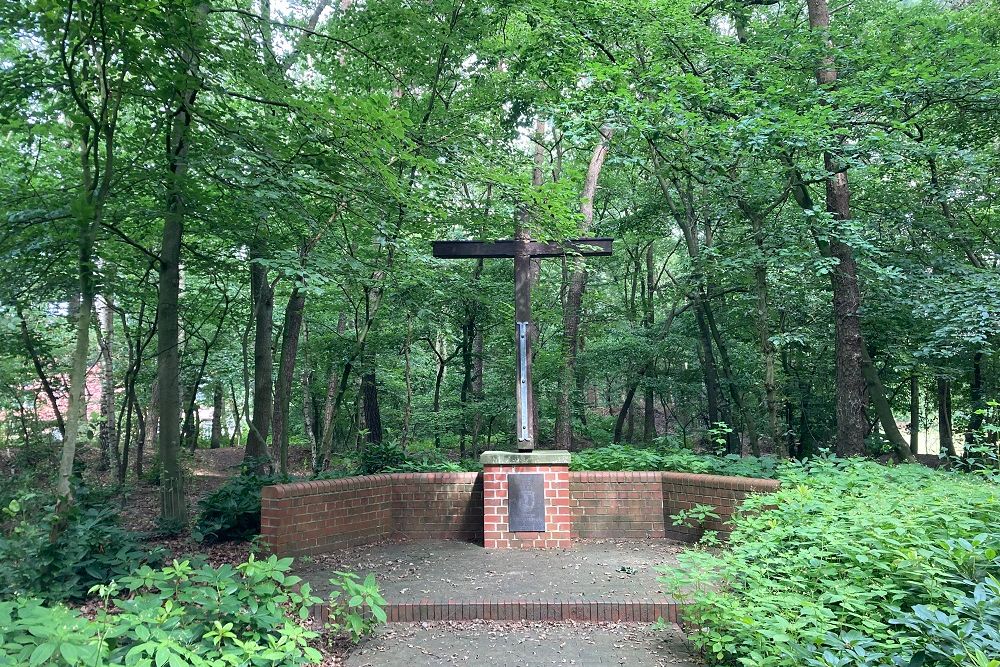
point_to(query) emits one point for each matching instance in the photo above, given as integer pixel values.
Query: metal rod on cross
(522, 249)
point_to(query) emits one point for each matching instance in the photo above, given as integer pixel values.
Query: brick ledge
(525, 610)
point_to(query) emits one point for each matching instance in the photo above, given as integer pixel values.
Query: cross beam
(522, 250)
(589, 247)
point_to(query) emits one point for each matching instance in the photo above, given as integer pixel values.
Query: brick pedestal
(497, 466)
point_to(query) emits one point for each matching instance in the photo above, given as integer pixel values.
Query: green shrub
(426, 465)
(389, 458)
(378, 458)
(356, 607)
(90, 548)
(182, 615)
(626, 457)
(843, 565)
(233, 510)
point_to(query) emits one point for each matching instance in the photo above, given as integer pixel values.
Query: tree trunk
(947, 444)
(237, 436)
(290, 332)
(36, 361)
(764, 334)
(151, 442)
(477, 388)
(436, 404)
(883, 410)
(107, 432)
(77, 409)
(732, 438)
(330, 403)
(308, 402)
(574, 298)
(717, 413)
(976, 402)
(173, 509)
(263, 360)
(623, 413)
(370, 406)
(217, 407)
(404, 437)
(852, 397)
(649, 318)
(914, 414)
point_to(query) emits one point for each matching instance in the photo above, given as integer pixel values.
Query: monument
(525, 494)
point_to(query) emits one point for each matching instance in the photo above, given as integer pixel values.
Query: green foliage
(90, 548)
(182, 616)
(849, 563)
(232, 511)
(426, 465)
(378, 458)
(627, 457)
(389, 458)
(963, 632)
(695, 517)
(356, 607)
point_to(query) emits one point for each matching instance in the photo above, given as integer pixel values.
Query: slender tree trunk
(263, 360)
(108, 430)
(77, 410)
(290, 332)
(649, 317)
(574, 298)
(947, 443)
(477, 389)
(623, 413)
(330, 403)
(468, 332)
(404, 438)
(976, 399)
(370, 406)
(716, 411)
(914, 414)
(727, 371)
(173, 508)
(883, 410)
(308, 403)
(436, 405)
(151, 442)
(237, 435)
(43, 377)
(764, 334)
(217, 408)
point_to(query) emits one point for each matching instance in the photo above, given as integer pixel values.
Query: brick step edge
(524, 610)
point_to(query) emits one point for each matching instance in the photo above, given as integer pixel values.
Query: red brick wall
(683, 490)
(557, 512)
(317, 517)
(438, 506)
(642, 504)
(616, 504)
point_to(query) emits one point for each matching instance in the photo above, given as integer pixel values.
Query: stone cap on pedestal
(541, 457)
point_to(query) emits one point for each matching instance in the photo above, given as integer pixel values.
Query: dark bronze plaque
(526, 502)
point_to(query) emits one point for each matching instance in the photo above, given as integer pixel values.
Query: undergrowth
(852, 563)
(627, 457)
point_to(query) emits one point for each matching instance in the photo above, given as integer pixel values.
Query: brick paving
(524, 644)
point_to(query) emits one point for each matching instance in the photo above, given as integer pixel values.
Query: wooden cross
(522, 249)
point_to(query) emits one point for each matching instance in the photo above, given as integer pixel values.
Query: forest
(218, 215)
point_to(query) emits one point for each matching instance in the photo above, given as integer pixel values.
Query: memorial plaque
(526, 502)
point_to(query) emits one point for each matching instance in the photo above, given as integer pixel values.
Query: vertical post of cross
(523, 250)
(525, 427)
